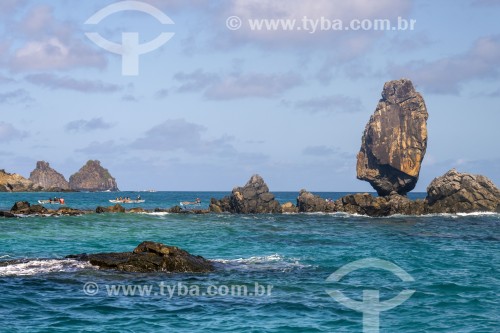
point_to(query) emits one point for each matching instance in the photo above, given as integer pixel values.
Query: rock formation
(366, 204)
(111, 209)
(456, 192)
(309, 203)
(92, 177)
(395, 140)
(149, 257)
(48, 178)
(12, 182)
(289, 208)
(24, 208)
(253, 198)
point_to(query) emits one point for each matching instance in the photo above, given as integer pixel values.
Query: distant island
(91, 177)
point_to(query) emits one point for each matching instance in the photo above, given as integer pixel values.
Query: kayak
(127, 201)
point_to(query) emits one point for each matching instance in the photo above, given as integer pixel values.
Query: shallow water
(453, 259)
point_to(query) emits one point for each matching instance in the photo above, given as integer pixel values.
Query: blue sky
(213, 106)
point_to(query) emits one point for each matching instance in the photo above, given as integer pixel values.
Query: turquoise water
(453, 259)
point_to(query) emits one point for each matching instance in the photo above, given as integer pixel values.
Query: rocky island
(48, 178)
(149, 257)
(93, 177)
(145, 258)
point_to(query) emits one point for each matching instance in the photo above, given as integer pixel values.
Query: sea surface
(451, 264)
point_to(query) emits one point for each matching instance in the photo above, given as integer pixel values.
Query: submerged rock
(456, 192)
(253, 198)
(51, 180)
(13, 182)
(395, 140)
(310, 203)
(149, 257)
(93, 177)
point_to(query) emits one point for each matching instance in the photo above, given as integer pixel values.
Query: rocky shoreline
(451, 193)
(392, 149)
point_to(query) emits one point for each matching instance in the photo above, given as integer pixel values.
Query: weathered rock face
(92, 177)
(366, 204)
(12, 182)
(395, 140)
(149, 257)
(456, 192)
(309, 203)
(253, 198)
(111, 209)
(289, 208)
(48, 178)
(24, 207)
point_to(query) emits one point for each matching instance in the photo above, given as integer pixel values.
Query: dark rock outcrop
(366, 204)
(310, 203)
(24, 208)
(111, 209)
(13, 182)
(253, 198)
(149, 257)
(68, 211)
(395, 140)
(93, 177)
(48, 178)
(456, 192)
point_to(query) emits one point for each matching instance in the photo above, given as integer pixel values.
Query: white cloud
(253, 85)
(7, 7)
(344, 43)
(315, 9)
(15, 96)
(10, 133)
(331, 103)
(87, 125)
(49, 44)
(235, 86)
(447, 75)
(56, 82)
(179, 135)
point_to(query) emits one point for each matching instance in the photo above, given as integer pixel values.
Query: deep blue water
(453, 259)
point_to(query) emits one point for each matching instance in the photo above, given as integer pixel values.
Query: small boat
(195, 203)
(52, 202)
(127, 201)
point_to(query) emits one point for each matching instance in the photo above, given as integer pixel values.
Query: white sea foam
(270, 262)
(451, 215)
(33, 267)
(156, 213)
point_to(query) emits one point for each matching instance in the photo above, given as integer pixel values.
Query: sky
(221, 100)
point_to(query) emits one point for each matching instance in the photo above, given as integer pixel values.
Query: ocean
(274, 272)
